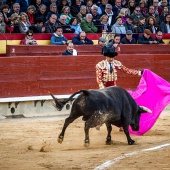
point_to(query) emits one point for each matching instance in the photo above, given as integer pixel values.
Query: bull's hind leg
(67, 122)
(109, 130)
(86, 130)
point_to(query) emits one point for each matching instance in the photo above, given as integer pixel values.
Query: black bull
(112, 106)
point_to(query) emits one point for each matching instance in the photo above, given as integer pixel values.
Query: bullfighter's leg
(109, 130)
(86, 130)
(126, 131)
(67, 122)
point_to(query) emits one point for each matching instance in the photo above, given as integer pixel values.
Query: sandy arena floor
(31, 144)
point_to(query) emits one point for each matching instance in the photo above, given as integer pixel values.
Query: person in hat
(146, 38)
(70, 50)
(128, 24)
(128, 39)
(106, 70)
(102, 41)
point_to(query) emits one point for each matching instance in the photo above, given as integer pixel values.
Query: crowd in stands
(90, 16)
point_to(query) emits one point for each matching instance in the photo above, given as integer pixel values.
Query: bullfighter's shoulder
(101, 64)
(117, 63)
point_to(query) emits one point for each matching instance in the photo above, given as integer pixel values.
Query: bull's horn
(146, 109)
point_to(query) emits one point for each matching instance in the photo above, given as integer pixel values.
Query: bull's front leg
(126, 131)
(109, 130)
(86, 130)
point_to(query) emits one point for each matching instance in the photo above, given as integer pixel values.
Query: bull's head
(136, 119)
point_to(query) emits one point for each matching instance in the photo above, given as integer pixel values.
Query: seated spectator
(41, 13)
(66, 12)
(37, 4)
(89, 4)
(114, 42)
(53, 10)
(87, 25)
(128, 39)
(124, 14)
(29, 40)
(66, 27)
(24, 24)
(15, 9)
(31, 14)
(165, 26)
(81, 39)
(75, 25)
(143, 7)
(82, 14)
(23, 5)
(58, 37)
(75, 8)
(70, 50)
(165, 11)
(102, 41)
(151, 24)
(14, 23)
(62, 4)
(38, 27)
(95, 15)
(118, 27)
(159, 36)
(141, 25)
(2, 24)
(128, 24)
(104, 23)
(146, 38)
(51, 24)
(131, 7)
(5, 13)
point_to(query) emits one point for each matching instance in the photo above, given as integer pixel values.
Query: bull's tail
(60, 104)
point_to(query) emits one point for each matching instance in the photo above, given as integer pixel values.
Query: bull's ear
(144, 109)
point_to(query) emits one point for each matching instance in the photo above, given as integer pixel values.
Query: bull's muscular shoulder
(101, 64)
(117, 63)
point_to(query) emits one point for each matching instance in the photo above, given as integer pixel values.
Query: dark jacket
(143, 40)
(66, 28)
(49, 27)
(126, 41)
(66, 53)
(76, 40)
(163, 27)
(159, 41)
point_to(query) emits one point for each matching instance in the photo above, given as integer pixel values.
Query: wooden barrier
(44, 50)
(36, 76)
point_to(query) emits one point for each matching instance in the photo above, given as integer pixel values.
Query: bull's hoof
(109, 142)
(60, 139)
(86, 143)
(132, 142)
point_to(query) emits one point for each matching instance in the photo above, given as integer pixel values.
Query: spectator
(102, 41)
(70, 50)
(41, 13)
(114, 42)
(29, 40)
(131, 6)
(152, 13)
(74, 25)
(128, 24)
(118, 27)
(82, 14)
(37, 4)
(128, 39)
(95, 15)
(165, 26)
(136, 15)
(58, 37)
(102, 7)
(141, 26)
(124, 14)
(89, 4)
(104, 23)
(117, 7)
(75, 9)
(151, 24)
(165, 11)
(66, 27)
(38, 27)
(159, 36)
(2, 24)
(5, 13)
(14, 23)
(53, 10)
(81, 39)
(51, 24)
(87, 25)
(109, 12)
(146, 38)
(31, 14)
(62, 4)
(163, 4)
(24, 24)
(158, 10)
(24, 5)
(66, 12)
(143, 7)
(15, 9)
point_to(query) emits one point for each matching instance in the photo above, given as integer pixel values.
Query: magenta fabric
(152, 92)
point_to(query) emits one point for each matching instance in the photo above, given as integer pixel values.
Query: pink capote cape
(152, 92)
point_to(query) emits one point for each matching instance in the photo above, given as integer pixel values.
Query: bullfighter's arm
(130, 71)
(99, 77)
